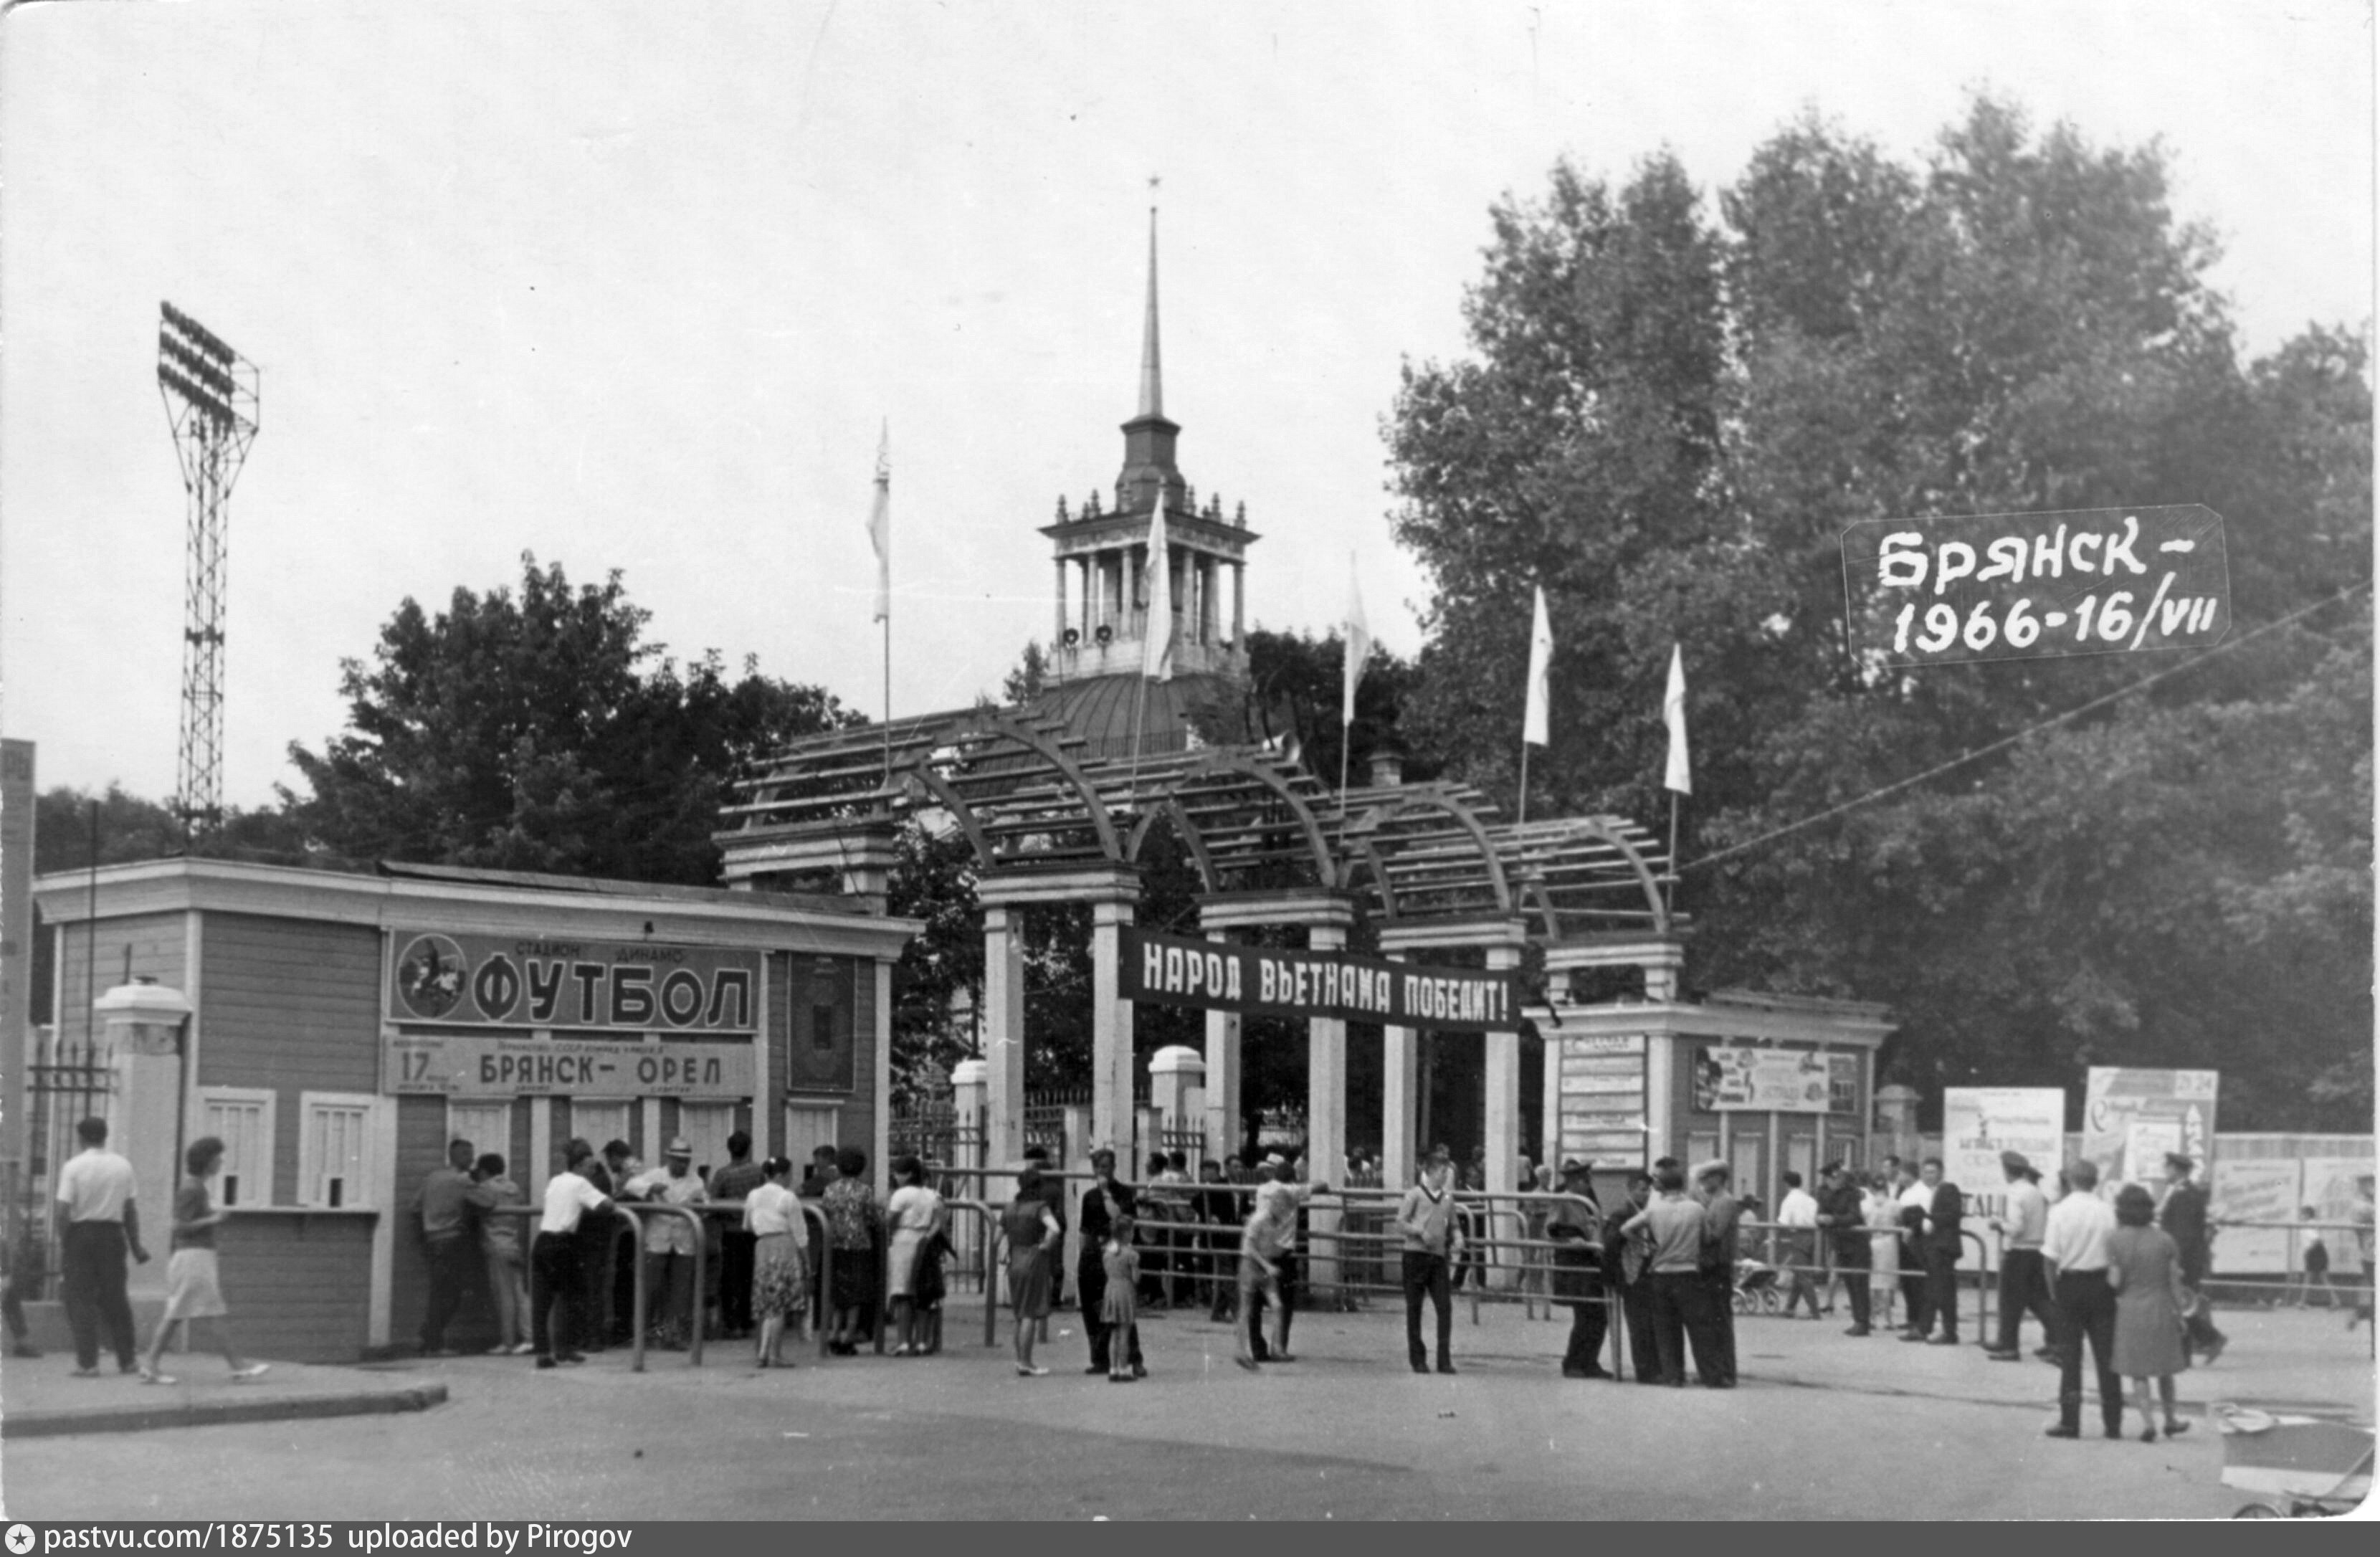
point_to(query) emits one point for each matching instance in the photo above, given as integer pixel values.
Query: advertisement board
(2133, 1118)
(2255, 1190)
(512, 981)
(1732, 1078)
(1273, 982)
(1979, 1123)
(496, 1065)
(1602, 1097)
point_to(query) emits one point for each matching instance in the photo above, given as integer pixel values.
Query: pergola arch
(1373, 824)
(1168, 808)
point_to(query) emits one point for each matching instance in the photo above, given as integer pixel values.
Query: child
(927, 1289)
(2315, 1261)
(1122, 1263)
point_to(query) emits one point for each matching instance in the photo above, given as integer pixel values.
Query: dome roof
(1102, 711)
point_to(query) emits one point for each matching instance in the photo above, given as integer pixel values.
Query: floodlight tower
(210, 392)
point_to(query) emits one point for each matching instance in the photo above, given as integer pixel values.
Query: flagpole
(1671, 896)
(887, 697)
(1524, 781)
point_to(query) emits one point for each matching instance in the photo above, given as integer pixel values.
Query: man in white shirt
(2074, 1248)
(1915, 1199)
(1797, 1214)
(2023, 1283)
(1431, 1239)
(669, 1243)
(100, 1222)
(554, 1259)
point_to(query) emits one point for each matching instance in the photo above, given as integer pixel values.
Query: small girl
(1122, 1263)
(929, 1287)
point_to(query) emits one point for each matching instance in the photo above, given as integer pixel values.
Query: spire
(1152, 388)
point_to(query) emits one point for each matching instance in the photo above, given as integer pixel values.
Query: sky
(636, 287)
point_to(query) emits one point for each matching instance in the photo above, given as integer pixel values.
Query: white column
(1325, 1117)
(1550, 1112)
(1111, 1031)
(969, 1079)
(1177, 1081)
(1503, 1122)
(1003, 1037)
(880, 1148)
(1222, 1077)
(1239, 604)
(1400, 1103)
(1058, 609)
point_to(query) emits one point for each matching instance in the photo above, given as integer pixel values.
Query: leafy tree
(540, 732)
(941, 971)
(2019, 324)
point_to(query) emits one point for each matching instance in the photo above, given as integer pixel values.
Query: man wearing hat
(1722, 1219)
(2025, 1280)
(1432, 1238)
(669, 1243)
(1842, 1214)
(1628, 1250)
(1575, 1225)
(2182, 1214)
(1107, 1198)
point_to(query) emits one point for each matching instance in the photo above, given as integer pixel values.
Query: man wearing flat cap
(1722, 1219)
(669, 1243)
(2182, 1214)
(1432, 1239)
(1842, 1214)
(1575, 1225)
(2024, 1279)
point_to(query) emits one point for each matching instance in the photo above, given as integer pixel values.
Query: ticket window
(487, 1125)
(598, 1122)
(1748, 1156)
(1802, 1157)
(807, 1127)
(706, 1128)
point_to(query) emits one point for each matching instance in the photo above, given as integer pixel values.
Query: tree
(2019, 324)
(541, 733)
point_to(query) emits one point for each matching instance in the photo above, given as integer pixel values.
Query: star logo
(21, 1538)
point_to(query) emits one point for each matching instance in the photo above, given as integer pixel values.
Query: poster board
(1978, 1123)
(1730, 1078)
(2255, 1190)
(2133, 1118)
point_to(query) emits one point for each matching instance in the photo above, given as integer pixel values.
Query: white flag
(1541, 659)
(1673, 713)
(880, 524)
(1359, 645)
(1157, 636)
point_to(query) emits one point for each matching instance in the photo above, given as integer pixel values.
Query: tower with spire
(1101, 556)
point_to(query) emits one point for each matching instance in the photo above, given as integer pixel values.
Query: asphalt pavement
(1823, 1426)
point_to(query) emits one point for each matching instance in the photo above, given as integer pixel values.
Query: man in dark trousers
(1937, 1250)
(739, 1178)
(450, 1241)
(2184, 1217)
(2024, 1283)
(1103, 1203)
(1577, 1231)
(2074, 1251)
(1627, 1259)
(1845, 1226)
(100, 1220)
(1431, 1240)
(1723, 1217)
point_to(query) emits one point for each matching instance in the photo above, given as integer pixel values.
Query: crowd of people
(2121, 1278)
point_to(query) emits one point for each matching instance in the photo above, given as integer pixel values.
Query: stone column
(1003, 1037)
(970, 1080)
(1239, 604)
(1325, 1117)
(1111, 1031)
(1222, 1077)
(1550, 1112)
(1058, 611)
(1400, 1104)
(1177, 1085)
(1502, 1133)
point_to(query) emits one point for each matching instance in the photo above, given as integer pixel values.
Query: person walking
(2074, 1250)
(781, 1281)
(915, 1213)
(1628, 1258)
(100, 1211)
(554, 1278)
(1842, 1222)
(1431, 1242)
(1576, 1227)
(444, 1222)
(500, 1252)
(1797, 1215)
(1034, 1238)
(2182, 1216)
(737, 1246)
(2024, 1286)
(193, 1286)
(2145, 1271)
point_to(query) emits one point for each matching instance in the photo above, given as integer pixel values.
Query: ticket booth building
(345, 1028)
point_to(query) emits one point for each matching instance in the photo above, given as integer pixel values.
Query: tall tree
(540, 732)
(2019, 324)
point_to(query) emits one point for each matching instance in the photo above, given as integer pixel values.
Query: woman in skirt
(914, 1215)
(780, 1261)
(192, 1288)
(1033, 1237)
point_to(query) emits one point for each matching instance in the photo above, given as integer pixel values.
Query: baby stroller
(1760, 1289)
(2300, 1467)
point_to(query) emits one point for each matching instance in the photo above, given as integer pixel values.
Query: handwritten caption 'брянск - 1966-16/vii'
(1938, 591)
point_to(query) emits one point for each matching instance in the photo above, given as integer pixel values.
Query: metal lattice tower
(211, 403)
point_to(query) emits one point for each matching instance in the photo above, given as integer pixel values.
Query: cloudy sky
(633, 285)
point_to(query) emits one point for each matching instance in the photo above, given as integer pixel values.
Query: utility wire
(2006, 741)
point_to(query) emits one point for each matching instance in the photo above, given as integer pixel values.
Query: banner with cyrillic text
(494, 1066)
(512, 982)
(1269, 981)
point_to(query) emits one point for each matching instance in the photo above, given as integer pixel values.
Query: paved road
(1823, 1427)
